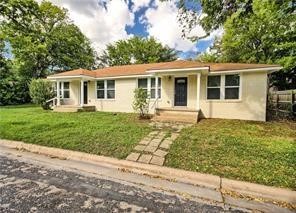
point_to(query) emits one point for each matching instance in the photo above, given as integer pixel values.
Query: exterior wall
(74, 94)
(124, 94)
(168, 87)
(252, 105)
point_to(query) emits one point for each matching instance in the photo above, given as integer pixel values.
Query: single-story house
(186, 90)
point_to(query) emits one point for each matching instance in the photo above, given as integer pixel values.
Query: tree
(136, 50)
(43, 39)
(41, 90)
(141, 102)
(255, 31)
(213, 55)
(213, 15)
(267, 35)
(12, 88)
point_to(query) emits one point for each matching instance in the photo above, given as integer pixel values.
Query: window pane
(152, 95)
(67, 94)
(231, 93)
(232, 80)
(214, 81)
(110, 94)
(66, 85)
(100, 94)
(159, 82)
(100, 84)
(159, 93)
(111, 84)
(213, 93)
(142, 83)
(152, 82)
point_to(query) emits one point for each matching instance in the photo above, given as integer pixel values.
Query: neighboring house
(182, 90)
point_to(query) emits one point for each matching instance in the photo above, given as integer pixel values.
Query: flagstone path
(154, 147)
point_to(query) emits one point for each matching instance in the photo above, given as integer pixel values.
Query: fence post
(277, 105)
(292, 101)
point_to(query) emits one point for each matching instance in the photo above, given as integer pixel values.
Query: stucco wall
(74, 94)
(252, 105)
(124, 94)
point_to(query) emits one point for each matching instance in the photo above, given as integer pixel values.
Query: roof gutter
(268, 69)
(177, 70)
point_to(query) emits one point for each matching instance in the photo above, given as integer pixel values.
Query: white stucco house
(182, 90)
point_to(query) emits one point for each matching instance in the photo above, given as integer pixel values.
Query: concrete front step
(74, 109)
(175, 119)
(177, 115)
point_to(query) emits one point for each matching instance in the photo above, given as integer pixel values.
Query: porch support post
(81, 92)
(58, 93)
(198, 91)
(156, 91)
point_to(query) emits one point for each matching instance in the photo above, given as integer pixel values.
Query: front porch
(72, 95)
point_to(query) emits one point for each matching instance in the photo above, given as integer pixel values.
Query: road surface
(26, 186)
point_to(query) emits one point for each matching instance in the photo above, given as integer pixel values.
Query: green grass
(257, 152)
(99, 133)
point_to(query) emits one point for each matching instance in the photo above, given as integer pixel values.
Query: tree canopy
(255, 31)
(42, 38)
(136, 50)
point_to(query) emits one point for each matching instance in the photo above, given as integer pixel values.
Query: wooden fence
(280, 105)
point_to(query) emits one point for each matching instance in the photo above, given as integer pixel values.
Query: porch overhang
(77, 77)
(179, 71)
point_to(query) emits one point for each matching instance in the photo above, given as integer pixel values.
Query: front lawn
(99, 133)
(258, 152)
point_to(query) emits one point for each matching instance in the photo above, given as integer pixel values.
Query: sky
(106, 21)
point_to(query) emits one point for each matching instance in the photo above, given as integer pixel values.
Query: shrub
(41, 90)
(141, 102)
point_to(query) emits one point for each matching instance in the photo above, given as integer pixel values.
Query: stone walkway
(153, 148)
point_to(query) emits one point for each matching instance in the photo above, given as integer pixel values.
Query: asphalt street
(28, 187)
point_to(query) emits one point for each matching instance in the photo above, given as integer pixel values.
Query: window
(213, 90)
(143, 83)
(100, 90)
(110, 89)
(149, 85)
(64, 89)
(223, 87)
(106, 89)
(231, 86)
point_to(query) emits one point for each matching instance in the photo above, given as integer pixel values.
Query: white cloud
(162, 24)
(101, 21)
(216, 33)
(138, 4)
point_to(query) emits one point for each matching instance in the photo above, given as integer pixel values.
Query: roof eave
(267, 69)
(177, 69)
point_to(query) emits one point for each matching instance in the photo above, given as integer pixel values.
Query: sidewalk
(211, 188)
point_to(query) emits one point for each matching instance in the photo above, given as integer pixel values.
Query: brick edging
(194, 178)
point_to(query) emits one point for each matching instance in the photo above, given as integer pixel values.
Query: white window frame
(214, 87)
(149, 87)
(222, 88)
(239, 87)
(62, 89)
(105, 89)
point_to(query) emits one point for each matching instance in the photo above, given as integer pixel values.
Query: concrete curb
(194, 178)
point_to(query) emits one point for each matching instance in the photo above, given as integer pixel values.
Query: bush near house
(41, 90)
(141, 102)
